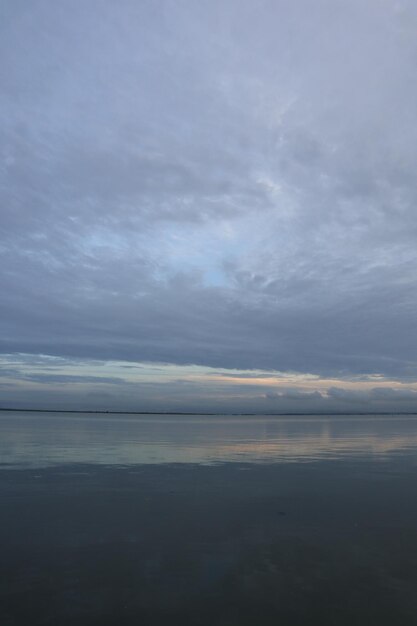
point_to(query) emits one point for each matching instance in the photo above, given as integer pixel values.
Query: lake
(211, 520)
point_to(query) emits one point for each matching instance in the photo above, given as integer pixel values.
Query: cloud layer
(227, 184)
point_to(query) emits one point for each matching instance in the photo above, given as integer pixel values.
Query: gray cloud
(29, 382)
(71, 378)
(375, 395)
(213, 183)
(294, 394)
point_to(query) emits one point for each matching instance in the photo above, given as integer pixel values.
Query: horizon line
(294, 413)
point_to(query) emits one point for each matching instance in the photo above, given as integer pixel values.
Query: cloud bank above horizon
(220, 185)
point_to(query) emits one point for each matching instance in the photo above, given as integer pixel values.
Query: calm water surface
(43, 439)
(120, 520)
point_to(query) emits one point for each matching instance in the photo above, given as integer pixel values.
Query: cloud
(29, 382)
(294, 394)
(70, 378)
(211, 184)
(382, 398)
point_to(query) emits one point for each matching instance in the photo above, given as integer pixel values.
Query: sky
(208, 206)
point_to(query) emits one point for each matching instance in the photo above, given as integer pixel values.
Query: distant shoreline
(312, 414)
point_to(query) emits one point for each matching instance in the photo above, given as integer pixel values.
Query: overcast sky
(208, 205)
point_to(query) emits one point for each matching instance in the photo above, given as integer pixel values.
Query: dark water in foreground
(212, 520)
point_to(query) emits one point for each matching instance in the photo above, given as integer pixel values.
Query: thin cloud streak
(121, 386)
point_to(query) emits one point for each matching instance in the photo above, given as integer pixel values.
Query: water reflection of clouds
(55, 439)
